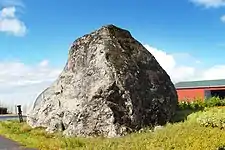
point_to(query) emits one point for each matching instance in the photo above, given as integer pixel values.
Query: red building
(200, 89)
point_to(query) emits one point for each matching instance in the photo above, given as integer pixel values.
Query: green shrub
(194, 105)
(214, 101)
(198, 104)
(213, 117)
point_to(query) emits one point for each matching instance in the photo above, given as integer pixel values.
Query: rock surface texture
(110, 86)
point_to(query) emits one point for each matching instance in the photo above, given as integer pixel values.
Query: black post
(20, 113)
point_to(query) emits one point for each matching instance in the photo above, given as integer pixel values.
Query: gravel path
(6, 144)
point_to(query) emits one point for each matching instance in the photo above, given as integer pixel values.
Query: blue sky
(175, 26)
(186, 37)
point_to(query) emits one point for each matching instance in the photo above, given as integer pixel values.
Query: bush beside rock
(214, 117)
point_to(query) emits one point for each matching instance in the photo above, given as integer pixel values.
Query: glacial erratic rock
(110, 86)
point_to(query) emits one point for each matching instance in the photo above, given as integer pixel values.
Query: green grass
(189, 134)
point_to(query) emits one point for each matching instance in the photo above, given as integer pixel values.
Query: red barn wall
(190, 94)
(193, 93)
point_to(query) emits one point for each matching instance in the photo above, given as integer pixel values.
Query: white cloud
(209, 3)
(179, 71)
(222, 18)
(9, 3)
(215, 72)
(8, 12)
(21, 84)
(11, 24)
(44, 63)
(165, 60)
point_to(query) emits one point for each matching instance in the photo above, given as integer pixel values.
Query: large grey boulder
(110, 86)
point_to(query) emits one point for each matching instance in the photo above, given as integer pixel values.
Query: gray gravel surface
(7, 144)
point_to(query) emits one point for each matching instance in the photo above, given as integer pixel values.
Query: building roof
(200, 84)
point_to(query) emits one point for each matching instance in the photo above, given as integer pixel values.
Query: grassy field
(189, 134)
(192, 129)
